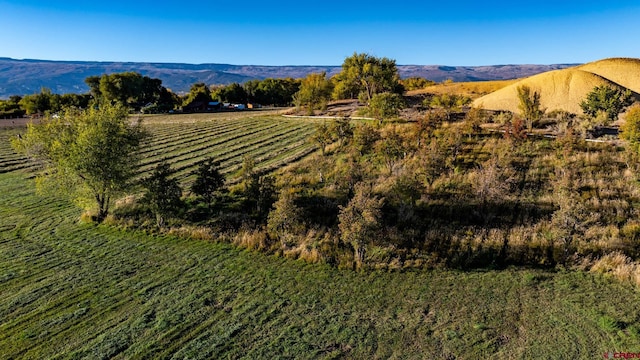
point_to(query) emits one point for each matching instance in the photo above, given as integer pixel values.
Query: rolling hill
(20, 77)
(623, 71)
(565, 89)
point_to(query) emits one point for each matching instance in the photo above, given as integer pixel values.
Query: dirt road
(21, 122)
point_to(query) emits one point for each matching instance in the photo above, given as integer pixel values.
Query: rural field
(71, 290)
(184, 140)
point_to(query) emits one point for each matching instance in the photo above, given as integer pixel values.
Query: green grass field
(184, 140)
(73, 290)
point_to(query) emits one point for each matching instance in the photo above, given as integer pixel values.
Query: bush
(631, 127)
(385, 106)
(606, 103)
(163, 193)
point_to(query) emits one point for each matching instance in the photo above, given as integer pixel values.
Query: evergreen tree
(163, 193)
(208, 181)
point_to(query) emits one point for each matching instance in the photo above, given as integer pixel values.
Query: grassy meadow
(71, 290)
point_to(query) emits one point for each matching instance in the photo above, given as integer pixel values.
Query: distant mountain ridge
(20, 77)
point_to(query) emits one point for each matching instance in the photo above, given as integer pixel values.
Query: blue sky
(321, 32)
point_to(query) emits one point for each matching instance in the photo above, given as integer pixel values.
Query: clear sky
(321, 32)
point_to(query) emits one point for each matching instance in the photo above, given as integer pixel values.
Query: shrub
(208, 181)
(631, 127)
(385, 106)
(606, 103)
(285, 218)
(163, 193)
(360, 220)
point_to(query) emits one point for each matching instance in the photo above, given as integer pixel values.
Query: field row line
(233, 162)
(179, 143)
(193, 152)
(170, 136)
(233, 155)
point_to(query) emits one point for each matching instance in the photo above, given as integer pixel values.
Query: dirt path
(21, 122)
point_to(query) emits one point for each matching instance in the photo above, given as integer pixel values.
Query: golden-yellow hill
(472, 89)
(622, 71)
(565, 89)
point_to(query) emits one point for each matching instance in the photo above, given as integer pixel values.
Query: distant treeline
(144, 94)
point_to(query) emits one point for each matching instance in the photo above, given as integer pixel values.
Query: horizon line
(285, 65)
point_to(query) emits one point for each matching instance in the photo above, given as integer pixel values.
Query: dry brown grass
(252, 240)
(193, 232)
(619, 266)
(473, 89)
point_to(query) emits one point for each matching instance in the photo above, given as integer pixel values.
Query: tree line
(363, 77)
(45, 101)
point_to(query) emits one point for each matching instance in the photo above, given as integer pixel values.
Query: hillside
(623, 71)
(472, 89)
(565, 89)
(29, 76)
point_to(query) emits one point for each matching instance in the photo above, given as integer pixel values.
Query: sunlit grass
(71, 290)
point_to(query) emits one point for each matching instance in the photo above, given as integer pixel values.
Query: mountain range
(20, 77)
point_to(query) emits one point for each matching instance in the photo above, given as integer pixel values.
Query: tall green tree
(248, 170)
(281, 91)
(364, 138)
(315, 92)
(94, 86)
(342, 130)
(473, 121)
(208, 181)
(130, 89)
(80, 101)
(427, 125)
(11, 108)
(529, 105)
(606, 100)
(37, 103)
(364, 75)
(91, 153)
(390, 148)
(260, 194)
(276, 92)
(286, 217)
(232, 93)
(197, 92)
(416, 83)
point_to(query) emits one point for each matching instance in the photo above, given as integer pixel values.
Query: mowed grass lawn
(72, 290)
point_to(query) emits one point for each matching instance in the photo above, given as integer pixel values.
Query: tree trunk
(102, 211)
(160, 220)
(359, 256)
(101, 215)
